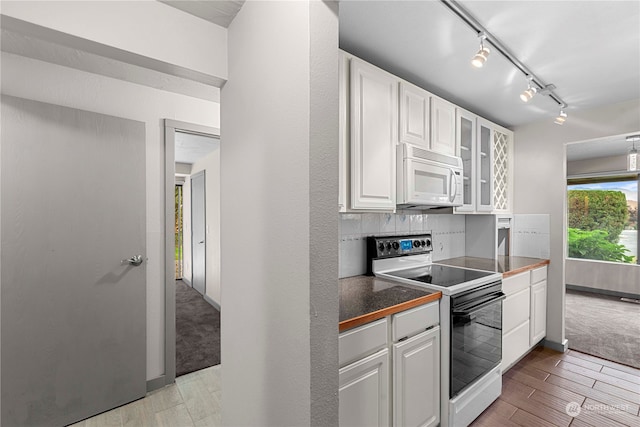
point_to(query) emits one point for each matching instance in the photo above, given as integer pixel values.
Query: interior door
(73, 202)
(198, 231)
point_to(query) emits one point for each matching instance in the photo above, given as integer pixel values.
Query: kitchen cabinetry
(390, 370)
(379, 110)
(426, 120)
(538, 324)
(364, 375)
(466, 126)
(364, 391)
(443, 127)
(524, 313)
(416, 385)
(414, 115)
(372, 137)
(487, 156)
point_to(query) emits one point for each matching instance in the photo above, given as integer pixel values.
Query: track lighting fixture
(562, 117)
(536, 84)
(530, 92)
(481, 57)
(632, 156)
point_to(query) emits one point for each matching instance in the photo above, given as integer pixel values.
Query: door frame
(204, 175)
(170, 127)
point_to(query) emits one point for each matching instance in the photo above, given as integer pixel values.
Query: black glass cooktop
(440, 275)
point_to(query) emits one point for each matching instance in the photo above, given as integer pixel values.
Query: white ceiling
(599, 148)
(589, 49)
(192, 147)
(220, 12)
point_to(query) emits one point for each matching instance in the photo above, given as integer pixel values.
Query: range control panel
(389, 246)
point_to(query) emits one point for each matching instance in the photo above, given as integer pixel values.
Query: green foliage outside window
(603, 210)
(595, 244)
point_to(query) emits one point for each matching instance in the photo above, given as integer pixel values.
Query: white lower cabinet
(416, 385)
(390, 370)
(364, 391)
(515, 343)
(538, 312)
(524, 314)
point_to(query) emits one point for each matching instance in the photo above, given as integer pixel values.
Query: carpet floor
(197, 331)
(603, 326)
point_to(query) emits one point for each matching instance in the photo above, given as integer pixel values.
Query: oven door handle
(470, 309)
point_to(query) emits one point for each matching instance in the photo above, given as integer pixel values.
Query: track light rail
(472, 22)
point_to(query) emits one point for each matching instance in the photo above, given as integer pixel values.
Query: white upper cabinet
(466, 136)
(443, 127)
(378, 110)
(484, 162)
(414, 115)
(502, 170)
(486, 150)
(374, 135)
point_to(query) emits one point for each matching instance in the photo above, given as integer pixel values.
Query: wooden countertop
(507, 265)
(364, 299)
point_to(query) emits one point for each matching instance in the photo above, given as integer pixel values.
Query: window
(603, 218)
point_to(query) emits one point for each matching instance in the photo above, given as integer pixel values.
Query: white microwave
(426, 179)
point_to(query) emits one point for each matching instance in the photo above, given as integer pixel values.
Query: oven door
(476, 337)
(431, 184)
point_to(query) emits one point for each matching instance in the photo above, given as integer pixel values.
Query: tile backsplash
(448, 233)
(530, 234)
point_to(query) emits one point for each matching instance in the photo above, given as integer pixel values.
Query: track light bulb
(562, 117)
(481, 57)
(529, 93)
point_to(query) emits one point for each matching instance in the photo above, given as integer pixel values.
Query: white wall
(278, 109)
(146, 28)
(211, 165)
(540, 182)
(40, 81)
(602, 164)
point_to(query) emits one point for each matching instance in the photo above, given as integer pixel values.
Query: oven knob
(428, 243)
(416, 243)
(381, 247)
(388, 246)
(423, 243)
(395, 245)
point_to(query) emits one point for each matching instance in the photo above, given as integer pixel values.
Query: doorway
(602, 304)
(179, 258)
(193, 300)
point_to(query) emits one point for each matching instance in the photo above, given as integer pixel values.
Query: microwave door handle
(453, 183)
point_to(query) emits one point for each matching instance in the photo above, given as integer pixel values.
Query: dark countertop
(507, 265)
(364, 299)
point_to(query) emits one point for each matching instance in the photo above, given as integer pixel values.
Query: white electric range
(470, 321)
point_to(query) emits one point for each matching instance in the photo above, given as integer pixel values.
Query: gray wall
(602, 164)
(279, 142)
(540, 174)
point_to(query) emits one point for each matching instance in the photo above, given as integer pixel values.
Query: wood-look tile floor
(193, 401)
(546, 386)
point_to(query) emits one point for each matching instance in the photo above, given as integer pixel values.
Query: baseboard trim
(561, 347)
(156, 383)
(187, 281)
(210, 300)
(602, 291)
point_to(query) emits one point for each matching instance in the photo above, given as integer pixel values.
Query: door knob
(135, 260)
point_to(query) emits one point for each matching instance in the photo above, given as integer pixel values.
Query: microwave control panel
(389, 246)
